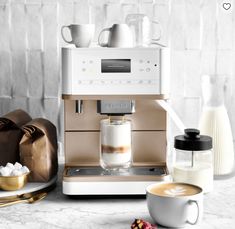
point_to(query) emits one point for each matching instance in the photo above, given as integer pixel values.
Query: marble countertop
(59, 211)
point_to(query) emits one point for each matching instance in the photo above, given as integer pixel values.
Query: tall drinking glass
(115, 144)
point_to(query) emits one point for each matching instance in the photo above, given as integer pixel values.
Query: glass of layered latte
(115, 144)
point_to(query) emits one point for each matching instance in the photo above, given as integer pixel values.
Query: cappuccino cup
(175, 204)
(81, 35)
(119, 36)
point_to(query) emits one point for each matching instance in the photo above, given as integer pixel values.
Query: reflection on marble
(59, 211)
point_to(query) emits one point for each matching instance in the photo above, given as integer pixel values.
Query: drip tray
(93, 180)
(133, 171)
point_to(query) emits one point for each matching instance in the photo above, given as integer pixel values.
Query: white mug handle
(62, 34)
(100, 43)
(198, 211)
(154, 40)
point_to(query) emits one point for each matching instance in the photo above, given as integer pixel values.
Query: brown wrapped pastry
(38, 150)
(11, 134)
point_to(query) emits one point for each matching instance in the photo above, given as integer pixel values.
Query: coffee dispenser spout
(115, 107)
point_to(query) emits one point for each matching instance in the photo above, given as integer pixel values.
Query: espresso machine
(98, 83)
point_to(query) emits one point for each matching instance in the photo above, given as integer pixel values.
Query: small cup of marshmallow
(13, 177)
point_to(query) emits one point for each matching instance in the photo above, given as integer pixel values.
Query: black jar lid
(193, 141)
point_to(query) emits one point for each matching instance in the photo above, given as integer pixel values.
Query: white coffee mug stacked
(82, 35)
(119, 36)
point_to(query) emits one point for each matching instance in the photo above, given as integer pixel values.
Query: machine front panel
(114, 71)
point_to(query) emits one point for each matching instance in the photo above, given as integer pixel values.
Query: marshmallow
(10, 165)
(24, 169)
(16, 172)
(5, 171)
(13, 170)
(17, 165)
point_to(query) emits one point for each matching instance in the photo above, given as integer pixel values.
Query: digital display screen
(116, 65)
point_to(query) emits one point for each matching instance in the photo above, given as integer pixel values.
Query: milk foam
(176, 191)
(115, 133)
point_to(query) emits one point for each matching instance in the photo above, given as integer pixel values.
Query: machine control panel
(114, 70)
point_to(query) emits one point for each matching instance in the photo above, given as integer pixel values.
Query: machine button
(141, 70)
(148, 61)
(83, 61)
(140, 81)
(115, 81)
(135, 81)
(83, 69)
(91, 62)
(141, 61)
(100, 82)
(145, 81)
(148, 69)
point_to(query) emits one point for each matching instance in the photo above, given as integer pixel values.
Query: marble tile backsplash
(200, 33)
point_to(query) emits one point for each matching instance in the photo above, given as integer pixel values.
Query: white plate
(28, 188)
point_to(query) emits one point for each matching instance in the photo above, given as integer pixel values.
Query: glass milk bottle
(115, 140)
(215, 122)
(193, 163)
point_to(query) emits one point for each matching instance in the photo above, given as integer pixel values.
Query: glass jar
(115, 144)
(194, 161)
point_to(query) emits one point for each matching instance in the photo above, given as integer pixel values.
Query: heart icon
(226, 6)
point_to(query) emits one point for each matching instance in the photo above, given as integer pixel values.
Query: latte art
(176, 191)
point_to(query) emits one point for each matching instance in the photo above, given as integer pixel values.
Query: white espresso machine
(120, 82)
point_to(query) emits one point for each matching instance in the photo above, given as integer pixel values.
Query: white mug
(82, 35)
(119, 35)
(175, 210)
